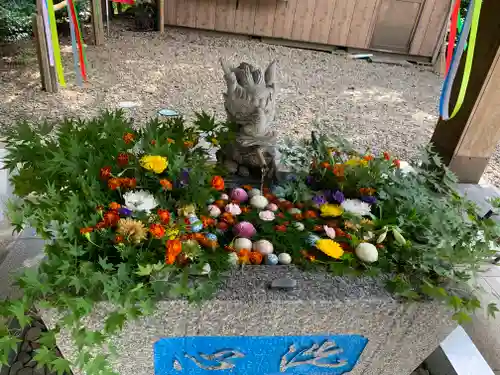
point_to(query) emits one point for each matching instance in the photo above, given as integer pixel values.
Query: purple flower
(319, 199)
(183, 178)
(338, 196)
(309, 180)
(369, 199)
(125, 211)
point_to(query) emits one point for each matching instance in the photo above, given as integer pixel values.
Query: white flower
(330, 232)
(405, 167)
(267, 215)
(356, 206)
(233, 209)
(139, 201)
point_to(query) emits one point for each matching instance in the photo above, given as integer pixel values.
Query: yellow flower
(172, 233)
(331, 210)
(214, 141)
(187, 210)
(330, 248)
(154, 163)
(356, 162)
(132, 230)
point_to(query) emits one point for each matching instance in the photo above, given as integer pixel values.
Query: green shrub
(15, 19)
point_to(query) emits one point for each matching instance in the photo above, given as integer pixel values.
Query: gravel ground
(376, 105)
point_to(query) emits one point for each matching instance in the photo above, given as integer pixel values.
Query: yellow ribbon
(55, 44)
(470, 57)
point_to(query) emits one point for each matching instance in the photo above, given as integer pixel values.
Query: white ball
(213, 210)
(284, 258)
(294, 211)
(367, 252)
(263, 246)
(254, 192)
(259, 201)
(272, 207)
(233, 259)
(242, 243)
(224, 197)
(299, 226)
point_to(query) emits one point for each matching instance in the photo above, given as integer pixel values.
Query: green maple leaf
(18, 309)
(145, 270)
(105, 265)
(44, 356)
(492, 309)
(461, 317)
(7, 344)
(76, 283)
(47, 339)
(61, 366)
(115, 322)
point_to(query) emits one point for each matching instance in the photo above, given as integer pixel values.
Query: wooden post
(467, 141)
(41, 52)
(161, 15)
(97, 23)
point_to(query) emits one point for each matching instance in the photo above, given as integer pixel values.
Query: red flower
(105, 173)
(218, 183)
(111, 218)
(174, 248)
(339, 232)
(114, 183)
(129, 183)
(157, 230)
(114, 206)
(379, 246)
(280, 228)
(100, 225)
(310, 214)
(338, 170)
(207, 221)
(345, 246)
(164, 216)
(86, 230)
(128, 137)
(325, 165)
(308, 256)
(229, 249)
(188, 144)
(396, 162)
(368, 157)
(222, 226)
(281, 215)
(318, 228)
(153, 142)
(166, 184)
(255, 257)
(170, 141)
(387, 156)
(122, 159)
(119, 238)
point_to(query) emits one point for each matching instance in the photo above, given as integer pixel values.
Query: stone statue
(250, 104)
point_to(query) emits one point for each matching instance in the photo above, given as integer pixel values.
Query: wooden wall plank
(224, 15)
(205, 14)
(341, 22)
(171, 12)
(186, 13)
(264, 17)
(303, 20)
(322, 21)
(244, 17)
(423, 23)
(365, 12)
(283, 19)
(433, 32)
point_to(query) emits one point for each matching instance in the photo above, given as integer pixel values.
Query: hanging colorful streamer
(72, 28)
(55, 43)
(45, 16)
(453, 33)
(78, 39)
(470, 25)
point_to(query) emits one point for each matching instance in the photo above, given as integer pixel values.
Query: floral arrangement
(134, 215)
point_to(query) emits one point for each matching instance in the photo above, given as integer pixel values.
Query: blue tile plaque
(258, 355)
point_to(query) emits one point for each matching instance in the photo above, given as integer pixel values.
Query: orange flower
(105, 173)
(396, 162)
(207, 221)
(170, 141)
(367, 191)
(281, 215)
(86, 230)
(114, 206)
(280, 228)
(228, 218)
(166, 184)
(122, 159)
(188, 144)
(298, 217)
(218, 183)
(255, 257)
(308, 256)
(157, 230)
(114, 183)
(222, 226)
(310, 214)
(128, 137)
(174, 248)
(111, 218)
(245, 209)
(119, 238)
(270, 197)
(244, 256)
(100, 225)
(338, 170)
(318, 228)
(229, 249)
(387, 156)
(247, 187)
(368, 157)
(164, 216)
(325, 165)
(153, 142)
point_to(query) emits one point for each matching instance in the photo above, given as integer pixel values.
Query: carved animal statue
(250, 103)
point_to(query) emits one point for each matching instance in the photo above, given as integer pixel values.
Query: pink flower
(266, 215)
(330, 232)
(233, 209)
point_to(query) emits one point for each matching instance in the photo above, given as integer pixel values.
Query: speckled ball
(271, 259)
(312, 239)
(252, 193)
(214, 211)
(259, 202)
(242, 243)
(272, 207)
(294, 211)
(263, 246)
(284, 259)
(195, 223)
(244, 229)
(239, 195)
(211, 236)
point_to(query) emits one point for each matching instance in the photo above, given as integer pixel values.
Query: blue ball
(211, 237)
(312, 239)
(196, 224)
(272, 259)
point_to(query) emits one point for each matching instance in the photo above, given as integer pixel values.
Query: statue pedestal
(377, 335)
